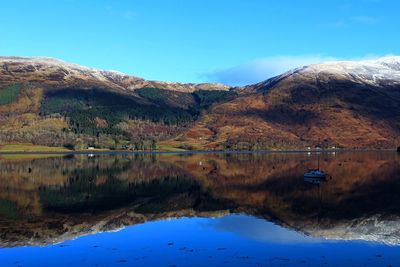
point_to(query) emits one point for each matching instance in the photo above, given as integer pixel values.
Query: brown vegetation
(62, 104)
(300, 110)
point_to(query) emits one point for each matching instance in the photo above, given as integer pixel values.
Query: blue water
(234, 240)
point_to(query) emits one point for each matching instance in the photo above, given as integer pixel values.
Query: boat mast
(319, 145)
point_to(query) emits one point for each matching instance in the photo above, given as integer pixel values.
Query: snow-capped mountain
(58, 73)
(374, 72)
(351, 104)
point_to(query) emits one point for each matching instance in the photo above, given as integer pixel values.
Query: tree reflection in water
(47, 200)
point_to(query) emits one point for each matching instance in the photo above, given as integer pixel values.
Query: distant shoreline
(127, 152)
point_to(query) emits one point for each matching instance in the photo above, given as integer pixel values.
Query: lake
(202, 209)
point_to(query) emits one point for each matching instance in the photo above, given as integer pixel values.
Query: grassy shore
(29, 156)
(169, 149)
(31, 148)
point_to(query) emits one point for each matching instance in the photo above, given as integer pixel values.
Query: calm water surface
(200, 210)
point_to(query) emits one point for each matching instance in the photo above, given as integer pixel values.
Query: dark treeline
(107, 119)
(102, 118)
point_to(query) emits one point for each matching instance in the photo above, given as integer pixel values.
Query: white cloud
(262, 69)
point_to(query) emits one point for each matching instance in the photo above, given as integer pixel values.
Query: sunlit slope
(53, 103)
(340, 104)
(48, 102)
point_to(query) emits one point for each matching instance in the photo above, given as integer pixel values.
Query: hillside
(49, 102)
(341, 104)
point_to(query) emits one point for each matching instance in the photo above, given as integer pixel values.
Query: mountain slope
(342, 104)
(345, 104)
(50, 102)
(57, 73)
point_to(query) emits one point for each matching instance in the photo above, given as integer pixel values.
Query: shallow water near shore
(200, 210)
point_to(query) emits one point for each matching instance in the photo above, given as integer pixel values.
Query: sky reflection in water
(227, 210)
(234, 240)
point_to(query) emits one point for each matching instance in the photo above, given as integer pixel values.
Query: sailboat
(315, 173)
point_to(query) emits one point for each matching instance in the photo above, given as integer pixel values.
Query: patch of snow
(386, 69)
(70, 67)
(374, 228)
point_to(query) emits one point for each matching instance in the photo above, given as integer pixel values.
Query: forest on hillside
(78, 118)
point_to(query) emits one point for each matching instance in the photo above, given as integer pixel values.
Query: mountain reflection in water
(49, 200)
(111, 191)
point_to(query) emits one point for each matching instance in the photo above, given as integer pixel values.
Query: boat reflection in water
(315, 181)
(52, 201)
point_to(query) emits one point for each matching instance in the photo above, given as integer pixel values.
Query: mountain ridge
(111, 78)
(335, 104)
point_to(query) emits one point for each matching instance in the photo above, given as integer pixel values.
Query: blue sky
(229, 41)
